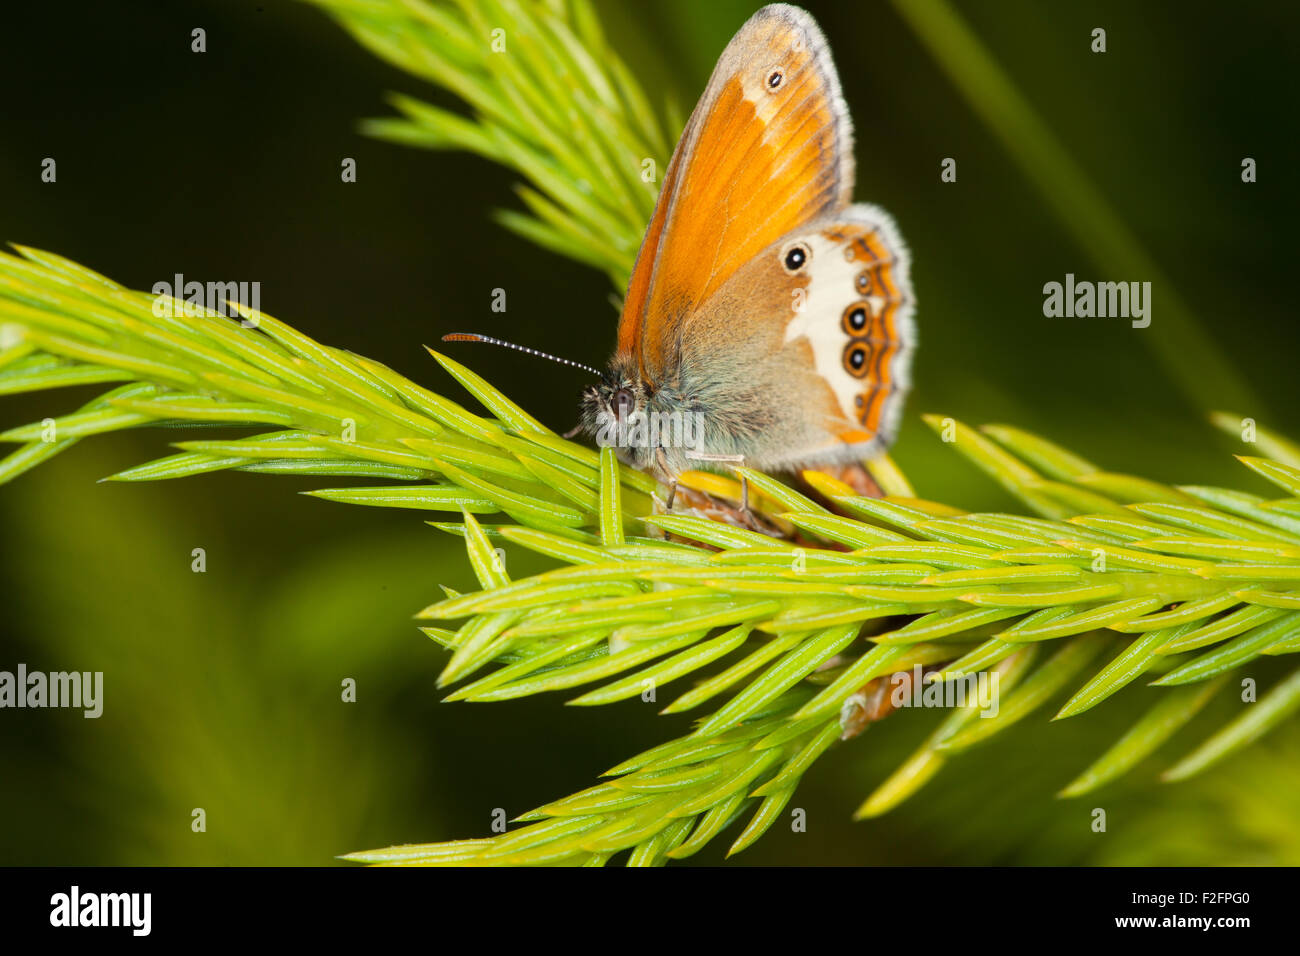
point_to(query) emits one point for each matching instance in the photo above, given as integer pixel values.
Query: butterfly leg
(672, 480)
(751, 520)
(746, 515)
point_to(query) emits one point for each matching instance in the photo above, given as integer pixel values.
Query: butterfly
(769, 318)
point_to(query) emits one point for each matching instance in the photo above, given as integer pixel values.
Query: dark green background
(222, 689)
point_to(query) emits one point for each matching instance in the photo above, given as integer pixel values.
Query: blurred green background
(222, 689)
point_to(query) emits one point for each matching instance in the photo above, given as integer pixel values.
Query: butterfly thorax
(667, 426)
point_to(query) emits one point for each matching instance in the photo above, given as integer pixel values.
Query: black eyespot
(856, 317)
(863, 282)
(774, 79)
(855, 359)
(796, 257)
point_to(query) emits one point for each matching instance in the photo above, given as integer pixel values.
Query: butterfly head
(614, 401)
(611, 409)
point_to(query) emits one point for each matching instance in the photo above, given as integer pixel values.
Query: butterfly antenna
(475, 337)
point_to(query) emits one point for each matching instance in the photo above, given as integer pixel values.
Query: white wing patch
(837, 258)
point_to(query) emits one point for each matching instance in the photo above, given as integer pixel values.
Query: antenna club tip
(462, 337)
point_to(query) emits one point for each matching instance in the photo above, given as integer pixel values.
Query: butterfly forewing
(768, 149)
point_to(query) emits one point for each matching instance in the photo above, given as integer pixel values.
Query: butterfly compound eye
(796, 257)
(623, 403)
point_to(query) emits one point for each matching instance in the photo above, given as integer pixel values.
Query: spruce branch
(789, 643)
(549, 99)
(1106, 578)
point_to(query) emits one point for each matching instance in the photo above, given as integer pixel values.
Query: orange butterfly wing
(768, 148)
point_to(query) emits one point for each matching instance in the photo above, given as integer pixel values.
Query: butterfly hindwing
(858, 318)
(804, 355)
